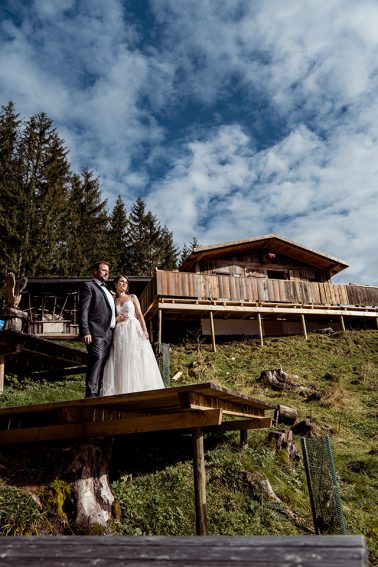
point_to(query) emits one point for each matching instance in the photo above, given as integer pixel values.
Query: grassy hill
(151, 475)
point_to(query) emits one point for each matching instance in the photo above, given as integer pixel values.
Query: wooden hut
(266, 285)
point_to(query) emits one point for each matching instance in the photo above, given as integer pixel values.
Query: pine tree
(187, 249)
(117, 237)
(43, 170)
(149, 245)
(9, 188)
(169, 253)
(89, 225)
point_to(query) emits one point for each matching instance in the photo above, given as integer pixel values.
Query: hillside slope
(151, 475)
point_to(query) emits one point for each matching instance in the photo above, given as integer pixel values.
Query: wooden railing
(261, 290)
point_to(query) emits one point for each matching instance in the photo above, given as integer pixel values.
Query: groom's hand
(87, 339)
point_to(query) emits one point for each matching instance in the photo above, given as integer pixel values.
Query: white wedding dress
(132, 365)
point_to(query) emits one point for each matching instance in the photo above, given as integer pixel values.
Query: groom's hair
(96, 266)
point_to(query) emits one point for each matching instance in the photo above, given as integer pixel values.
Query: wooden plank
(188, 419)
(165, 551)
(199, 482)
(167, 399)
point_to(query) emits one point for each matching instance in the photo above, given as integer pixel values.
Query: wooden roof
(185, 407)
(273, 243)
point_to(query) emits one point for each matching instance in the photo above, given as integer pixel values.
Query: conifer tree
(187, 249)
(149, 245)
(9, 188)
(43, 174)
(89, 225)
(169, 253)
(117, 237)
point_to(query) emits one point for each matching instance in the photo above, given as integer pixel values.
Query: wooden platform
(28, 355)
(266, 551)
(186, 407)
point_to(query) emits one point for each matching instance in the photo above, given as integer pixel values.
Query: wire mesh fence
(322, 486)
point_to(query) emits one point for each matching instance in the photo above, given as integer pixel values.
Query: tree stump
(284, 440)
(285, 414)
(87, 470)
(14, 318)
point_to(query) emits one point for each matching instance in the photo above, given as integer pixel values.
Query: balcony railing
(188, 285)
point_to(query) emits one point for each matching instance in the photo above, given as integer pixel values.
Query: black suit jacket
(95, 313)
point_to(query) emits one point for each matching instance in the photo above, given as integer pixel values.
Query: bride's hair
(116, 280)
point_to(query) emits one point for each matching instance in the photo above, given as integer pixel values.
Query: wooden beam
(157, 422)
(199, 481)
(304, 327)
(2, 372)
(212, 331)
(342, 323)
(198, 401)
(244, 438)
(160, 325)
(260, 329)
(313, 310)
(243, 424)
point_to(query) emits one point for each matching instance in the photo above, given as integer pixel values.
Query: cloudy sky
(231, 118)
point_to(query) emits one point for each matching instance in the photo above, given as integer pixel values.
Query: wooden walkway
(266, 551)
(186, 407)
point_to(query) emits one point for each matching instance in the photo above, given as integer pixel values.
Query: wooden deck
(264, 551)
(186, 407)
(27, 355)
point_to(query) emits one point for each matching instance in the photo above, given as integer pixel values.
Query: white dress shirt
(110, 300)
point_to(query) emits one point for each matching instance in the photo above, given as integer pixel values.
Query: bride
(131, 366)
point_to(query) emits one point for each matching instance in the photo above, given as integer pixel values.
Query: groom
(96, 324)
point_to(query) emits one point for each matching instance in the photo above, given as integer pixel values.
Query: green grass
(151, 475)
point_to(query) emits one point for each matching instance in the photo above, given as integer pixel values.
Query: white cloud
(288, 144)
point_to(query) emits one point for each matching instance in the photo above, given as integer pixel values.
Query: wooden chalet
(266, 285)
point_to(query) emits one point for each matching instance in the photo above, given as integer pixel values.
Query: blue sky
(230, 118)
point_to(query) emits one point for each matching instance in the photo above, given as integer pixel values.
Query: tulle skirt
(132, 365)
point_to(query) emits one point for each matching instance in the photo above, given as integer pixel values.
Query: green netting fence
(322, 486)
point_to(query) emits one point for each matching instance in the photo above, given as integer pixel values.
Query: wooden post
(2, 372)
(212, 332)
(160, 319)
(244, 438)
(342, 323)
(260, 329)
(151, 326)
(304, 326)
(199, 481)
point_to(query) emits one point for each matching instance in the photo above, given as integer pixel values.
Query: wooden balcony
(183, 286)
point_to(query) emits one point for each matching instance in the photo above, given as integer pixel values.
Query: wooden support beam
(212, 332)
(2, 372)
(140, 424)
(160, 325)
(243, 424)
(342, 323)
(244, 438)
(304, 327)
(199, 481)
(259, 319)
(193, 400)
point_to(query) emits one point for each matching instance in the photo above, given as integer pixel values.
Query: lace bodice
(126, 307)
